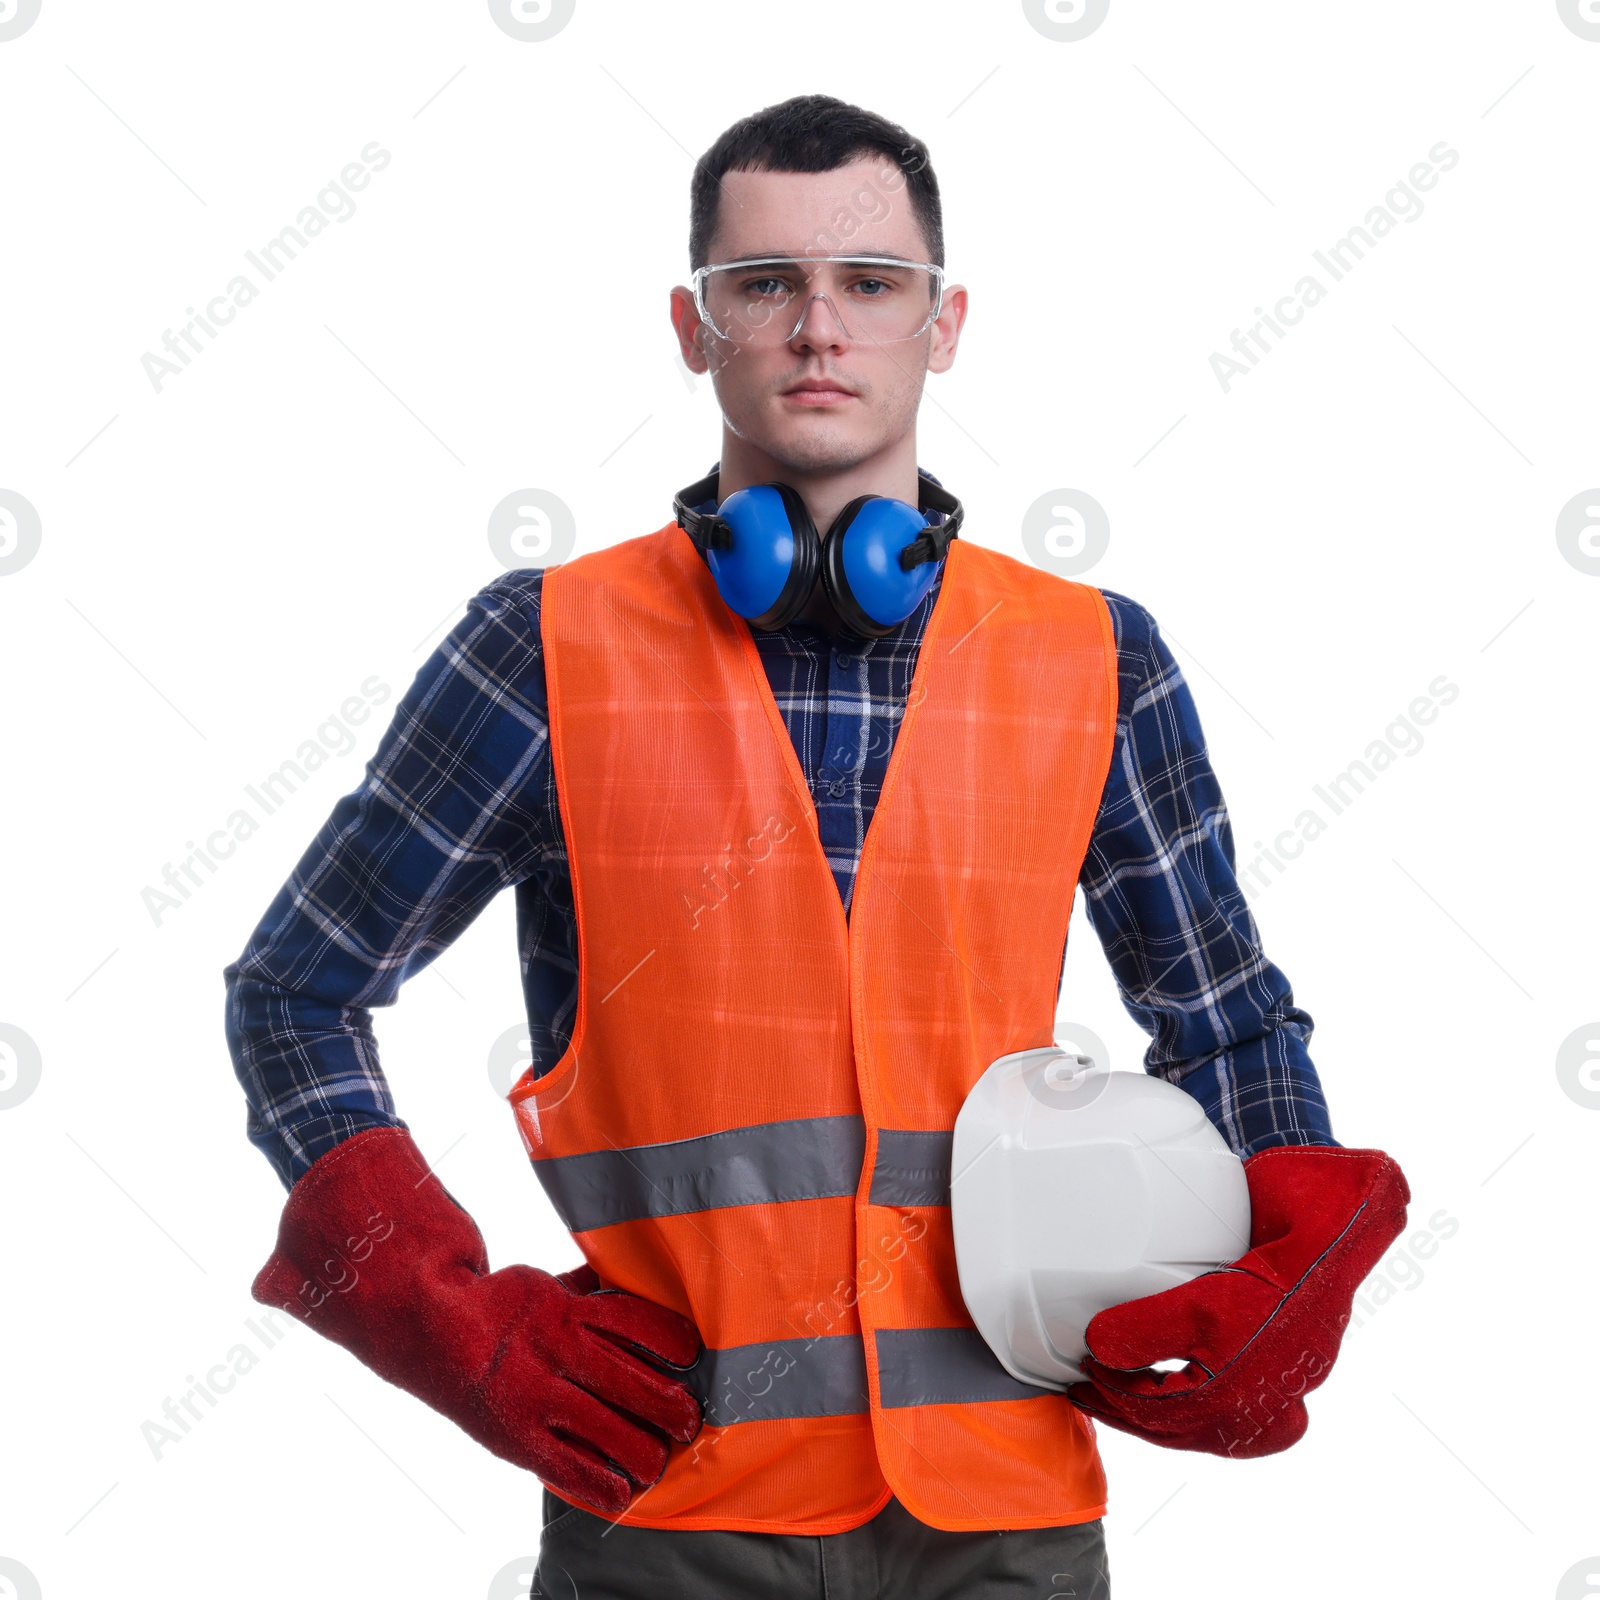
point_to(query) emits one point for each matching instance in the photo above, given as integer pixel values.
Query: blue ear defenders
(877, 560)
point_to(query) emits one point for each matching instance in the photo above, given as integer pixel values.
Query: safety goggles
(764, 299)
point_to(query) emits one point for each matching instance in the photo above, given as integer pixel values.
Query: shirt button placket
(831, 780)
(840, 757)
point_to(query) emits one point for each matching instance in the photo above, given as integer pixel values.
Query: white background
(226, 561)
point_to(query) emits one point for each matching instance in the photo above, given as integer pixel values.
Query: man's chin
(813, 450)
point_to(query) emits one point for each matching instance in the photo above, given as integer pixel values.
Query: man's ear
(687, 325)
(947, 329)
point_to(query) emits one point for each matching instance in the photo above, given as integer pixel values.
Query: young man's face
(761, 386)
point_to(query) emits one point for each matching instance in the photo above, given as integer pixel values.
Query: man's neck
(826, 491)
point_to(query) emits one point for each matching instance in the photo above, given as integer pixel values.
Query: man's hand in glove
(544, 1371)
(1260, 1334)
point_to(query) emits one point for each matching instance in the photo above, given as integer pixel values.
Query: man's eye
(765, 287)
(880, 285)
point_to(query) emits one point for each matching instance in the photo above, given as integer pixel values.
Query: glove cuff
(359, 1229)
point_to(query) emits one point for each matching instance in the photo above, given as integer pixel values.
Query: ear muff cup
(770, 569)
(872, 593)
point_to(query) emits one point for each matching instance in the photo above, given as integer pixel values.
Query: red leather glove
(376, 1255)
(1262, 1333)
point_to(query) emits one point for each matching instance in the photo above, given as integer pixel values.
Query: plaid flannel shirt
(459, 802)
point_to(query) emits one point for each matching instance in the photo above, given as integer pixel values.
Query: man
(763, 962)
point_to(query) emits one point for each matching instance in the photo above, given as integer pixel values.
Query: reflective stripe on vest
(805, 1159)
(827, 1377)
(753, 1122)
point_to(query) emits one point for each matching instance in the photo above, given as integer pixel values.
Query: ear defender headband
(877, 560)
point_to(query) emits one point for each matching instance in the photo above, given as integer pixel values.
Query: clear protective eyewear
(764, 299)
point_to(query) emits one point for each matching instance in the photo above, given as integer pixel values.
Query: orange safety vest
(753, 1122)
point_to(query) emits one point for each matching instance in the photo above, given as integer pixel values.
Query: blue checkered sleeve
(456, 804)
(1162, 892)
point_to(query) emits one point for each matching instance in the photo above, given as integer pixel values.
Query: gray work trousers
(891, 1557)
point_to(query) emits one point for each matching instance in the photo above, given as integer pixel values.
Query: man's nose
(820, 323)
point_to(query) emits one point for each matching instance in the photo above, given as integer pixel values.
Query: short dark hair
(812, 133)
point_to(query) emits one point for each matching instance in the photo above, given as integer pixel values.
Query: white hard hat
(1073, 1189)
